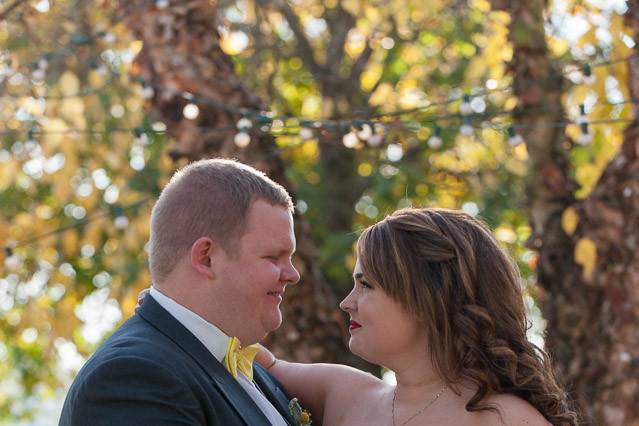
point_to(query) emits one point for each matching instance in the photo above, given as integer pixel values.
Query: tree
(86, 134)
(588, 264)
(188, 67)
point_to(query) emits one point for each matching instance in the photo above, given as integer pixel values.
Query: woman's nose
(348, 304)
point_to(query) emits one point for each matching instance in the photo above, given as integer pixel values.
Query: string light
(514, 138)
(306, 133)
(350, 140)
(191, 111)
(377, 136)
(467, 128)
(242, 139)
(121, 221)
(465, 108)
(587, 75)
(435, 141)
(147, 92)
(584, 135)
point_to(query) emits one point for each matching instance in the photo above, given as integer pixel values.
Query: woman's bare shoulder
(514, 411)
(346, 378)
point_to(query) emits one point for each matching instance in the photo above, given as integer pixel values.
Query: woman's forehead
(357, 270)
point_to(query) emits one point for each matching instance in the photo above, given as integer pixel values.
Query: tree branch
(340, 23)
(10, 8)
(361, 62)
(303, 47)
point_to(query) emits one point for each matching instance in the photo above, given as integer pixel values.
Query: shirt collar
(214, 339)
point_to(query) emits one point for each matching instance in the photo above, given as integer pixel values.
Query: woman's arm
(315, 384)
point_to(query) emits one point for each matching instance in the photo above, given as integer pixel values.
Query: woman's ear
(200, 256)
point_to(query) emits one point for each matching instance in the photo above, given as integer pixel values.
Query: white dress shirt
(216, 342)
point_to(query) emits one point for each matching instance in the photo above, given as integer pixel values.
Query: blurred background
(519, 112)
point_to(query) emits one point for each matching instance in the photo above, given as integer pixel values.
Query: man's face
(253, 278)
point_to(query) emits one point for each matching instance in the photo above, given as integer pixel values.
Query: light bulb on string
(588, 76)
(121, 221)
(31, 147)
(306, 133)
(350, 140)
(242, 139)
(365, 132)
(435, 141)
(147, 92)
(38, 74)
(585, 137)
(514, 138)
(465, 108)
(467, 128)
(244, 124)
(191, 111)
(377, 135)
(140, 137)
(11, 261)
(582, 115)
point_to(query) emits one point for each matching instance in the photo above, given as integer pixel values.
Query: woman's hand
(265, 357)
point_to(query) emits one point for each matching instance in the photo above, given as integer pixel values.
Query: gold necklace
(428, 404)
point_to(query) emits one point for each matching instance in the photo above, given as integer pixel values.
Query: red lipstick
(353, 325)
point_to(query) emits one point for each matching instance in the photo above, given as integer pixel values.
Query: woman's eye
(365, 285)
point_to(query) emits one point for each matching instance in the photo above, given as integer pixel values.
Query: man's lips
(353, 325)
(276, 293)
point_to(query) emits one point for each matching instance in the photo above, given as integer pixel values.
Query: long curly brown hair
(447, 269)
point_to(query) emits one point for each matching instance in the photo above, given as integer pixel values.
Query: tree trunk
(589, 271)
(181, 53)
(342, 97)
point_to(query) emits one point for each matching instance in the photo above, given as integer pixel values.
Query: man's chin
(274, 322)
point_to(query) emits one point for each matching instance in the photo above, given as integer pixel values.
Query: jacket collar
(158, 317)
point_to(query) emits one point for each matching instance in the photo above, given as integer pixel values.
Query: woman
(438, 302)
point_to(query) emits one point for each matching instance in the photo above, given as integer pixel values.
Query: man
(220, 258)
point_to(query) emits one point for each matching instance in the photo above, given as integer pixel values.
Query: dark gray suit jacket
(153, 372)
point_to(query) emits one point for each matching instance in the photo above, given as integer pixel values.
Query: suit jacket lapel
(157, 316)
(273, 393)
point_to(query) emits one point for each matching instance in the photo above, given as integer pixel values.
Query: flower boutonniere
(301, 416)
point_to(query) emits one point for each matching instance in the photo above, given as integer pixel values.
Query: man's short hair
(206, 198)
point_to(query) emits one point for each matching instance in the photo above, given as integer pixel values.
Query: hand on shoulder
(516, 411)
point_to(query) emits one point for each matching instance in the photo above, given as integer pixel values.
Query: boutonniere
(301, 416)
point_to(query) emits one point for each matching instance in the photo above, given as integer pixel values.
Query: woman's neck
(415, 374)
(416, 380)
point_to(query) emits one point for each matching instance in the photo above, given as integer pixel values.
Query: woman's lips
(353, 325)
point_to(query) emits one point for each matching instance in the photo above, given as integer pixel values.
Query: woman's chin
(356, 349)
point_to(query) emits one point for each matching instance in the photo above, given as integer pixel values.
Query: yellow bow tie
(239, 358)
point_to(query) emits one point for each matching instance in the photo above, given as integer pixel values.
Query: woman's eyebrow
(358, 275)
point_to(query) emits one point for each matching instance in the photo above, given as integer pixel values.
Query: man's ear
(200, 256)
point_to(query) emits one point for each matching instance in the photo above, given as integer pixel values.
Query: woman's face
(380, 328)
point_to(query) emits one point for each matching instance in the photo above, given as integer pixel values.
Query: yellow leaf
(569, 220)
(69, 84)
(54, 129)
(70, 243)
(586, 256)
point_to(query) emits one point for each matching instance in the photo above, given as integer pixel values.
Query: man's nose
(290, 274)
